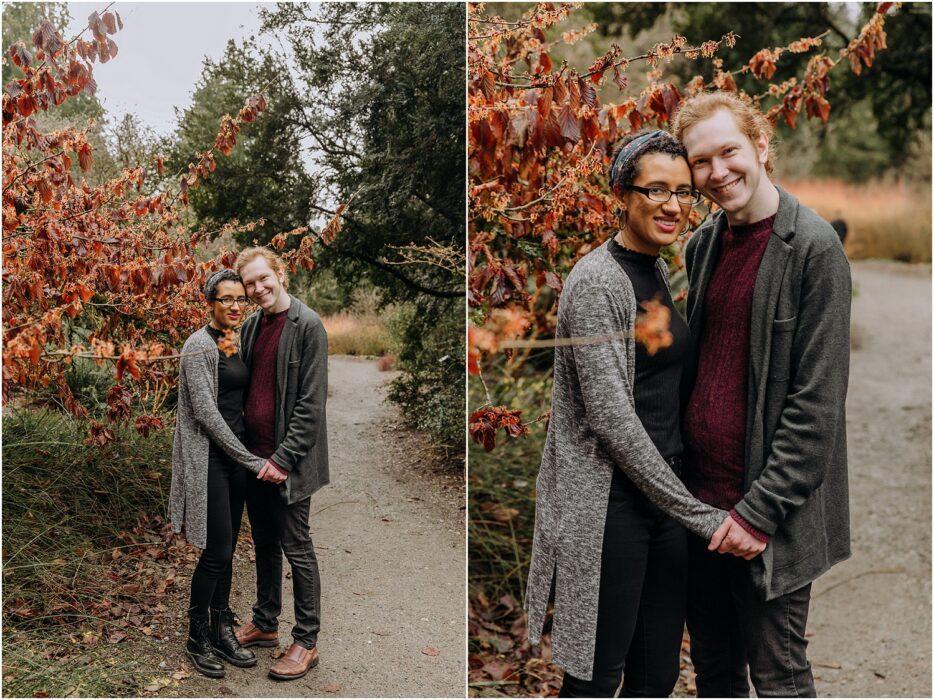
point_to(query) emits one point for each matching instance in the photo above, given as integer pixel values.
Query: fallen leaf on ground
(498, 670)
(332, 688)
(430, 651)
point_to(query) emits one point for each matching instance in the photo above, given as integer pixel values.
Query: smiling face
(727, 166)
(650, 225)
(227, 317)
(264, 286)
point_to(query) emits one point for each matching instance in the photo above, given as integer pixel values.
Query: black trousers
(734, 632)
(210, 583)
(640, 615)
(279, 528)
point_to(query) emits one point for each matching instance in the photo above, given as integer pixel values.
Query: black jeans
(733, 629)
(640, 615)
(210, 583)
(279, 528)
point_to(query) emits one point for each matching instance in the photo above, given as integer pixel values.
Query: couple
(706, 482)
(251, 429)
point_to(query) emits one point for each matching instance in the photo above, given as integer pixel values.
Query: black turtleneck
(658, 377)
(233, 377)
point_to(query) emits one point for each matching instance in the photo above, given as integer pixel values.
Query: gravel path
(871, 615)
(389, 535)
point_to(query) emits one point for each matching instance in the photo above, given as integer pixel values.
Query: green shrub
(65, 507)
(431, 356)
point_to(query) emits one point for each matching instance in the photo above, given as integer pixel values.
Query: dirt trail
(389, 536)
(871, 615)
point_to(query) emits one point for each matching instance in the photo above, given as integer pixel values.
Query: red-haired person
(765, 425)
(286, 348)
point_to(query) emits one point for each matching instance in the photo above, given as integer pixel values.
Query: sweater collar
(755, 229)
(785, 218)
(640, 260)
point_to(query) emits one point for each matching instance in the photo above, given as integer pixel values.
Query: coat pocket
(780, 358)
(291, 378)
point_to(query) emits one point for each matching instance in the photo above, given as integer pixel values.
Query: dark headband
(631, 151)
(225, 273)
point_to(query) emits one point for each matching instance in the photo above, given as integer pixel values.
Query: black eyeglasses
(662, 194)
(227, 302)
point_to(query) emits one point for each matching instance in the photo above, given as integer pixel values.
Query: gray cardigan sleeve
(816, 397)
(308, 409)
(610, 411)
(199, 376)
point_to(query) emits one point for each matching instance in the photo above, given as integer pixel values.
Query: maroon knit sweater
(259, 411)
(715, 419)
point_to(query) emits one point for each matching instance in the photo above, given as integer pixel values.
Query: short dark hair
(223, 275)
(623, 173)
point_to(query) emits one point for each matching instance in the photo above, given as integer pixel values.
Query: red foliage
(540, 142)
(485, 422)
(112, 263)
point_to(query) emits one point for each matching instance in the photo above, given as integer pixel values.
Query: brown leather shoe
(295, 663)
(249, 635)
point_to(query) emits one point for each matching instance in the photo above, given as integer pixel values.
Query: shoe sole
(203, 671)
(235, 662)
(281, 677)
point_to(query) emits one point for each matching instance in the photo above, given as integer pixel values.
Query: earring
(623, 217)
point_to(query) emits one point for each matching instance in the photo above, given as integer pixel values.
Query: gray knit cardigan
(593, 430)
(198, 422)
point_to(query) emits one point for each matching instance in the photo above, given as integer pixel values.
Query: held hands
(270, 472)
(731, 538)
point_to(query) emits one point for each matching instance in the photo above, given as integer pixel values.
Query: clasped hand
(270, 472)
(731, 538)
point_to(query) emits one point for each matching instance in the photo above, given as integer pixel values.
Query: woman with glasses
(610, 544)
(209, 472)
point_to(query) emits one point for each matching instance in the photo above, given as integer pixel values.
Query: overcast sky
(161, 48)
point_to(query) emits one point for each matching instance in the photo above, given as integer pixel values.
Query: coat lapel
(284, 351)
(768, 286)
(282, 356)
(764, 300)
(248, 336)
(703, 269)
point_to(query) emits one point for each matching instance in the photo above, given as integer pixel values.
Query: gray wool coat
(197, 423)
(301, 398)
(593, 430)
(799, 340)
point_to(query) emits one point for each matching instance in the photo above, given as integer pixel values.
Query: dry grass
(887, 221)
(352, 334)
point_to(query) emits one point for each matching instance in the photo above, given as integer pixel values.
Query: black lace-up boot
(224, 640)
(199, 648)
